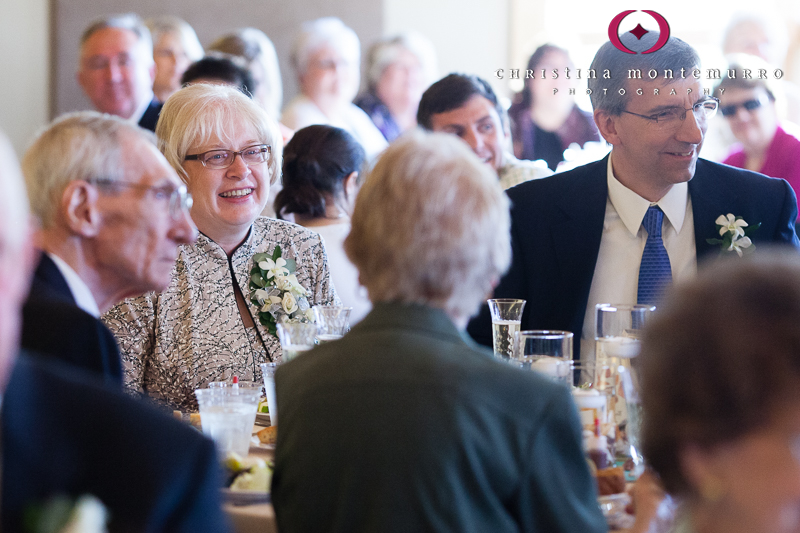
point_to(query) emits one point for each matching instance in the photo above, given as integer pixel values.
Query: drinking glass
(548, 352)
(617, 343)
(506, 319)
(268, 371)
(296, 338)
(332, 322)
(227, 414)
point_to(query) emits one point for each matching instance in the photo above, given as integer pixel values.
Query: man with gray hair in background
(112, 213)
(117, 70)
(63, 433)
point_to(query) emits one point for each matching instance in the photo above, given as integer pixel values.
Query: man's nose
(474, 140)
(692, 129)
(114, 71)
(183, 230)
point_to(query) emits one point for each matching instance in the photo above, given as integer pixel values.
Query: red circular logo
(638, 31)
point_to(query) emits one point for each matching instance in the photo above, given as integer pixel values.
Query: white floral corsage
(734, 232)
(277, 293)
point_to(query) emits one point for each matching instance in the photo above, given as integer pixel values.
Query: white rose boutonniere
(735, 235)
(62, 514)
(277, 293)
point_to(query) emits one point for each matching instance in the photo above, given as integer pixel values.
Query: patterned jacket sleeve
(133, 324)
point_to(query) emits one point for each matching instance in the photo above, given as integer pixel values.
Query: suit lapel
(708, 203)
(576, 238)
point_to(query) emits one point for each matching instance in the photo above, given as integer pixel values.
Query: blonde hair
(76, 146)
(255, 47)
(430, 226)
(314, 34)
(386, 51)
(197, 113)
(167, 24)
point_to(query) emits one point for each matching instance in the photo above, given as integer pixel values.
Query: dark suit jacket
(54, 326)
(557, 225)
(407, 425)
(150, 117)
(65, 433)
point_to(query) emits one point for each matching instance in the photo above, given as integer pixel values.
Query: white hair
(315, 34)
(431, 226)
(125, 21)
(384, 52)
(76, 146)
(198, 112)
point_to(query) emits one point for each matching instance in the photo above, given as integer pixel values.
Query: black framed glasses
(217, 159)
(180, 201)
(750, 105)
(674, 116)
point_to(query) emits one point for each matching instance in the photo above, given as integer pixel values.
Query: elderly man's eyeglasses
(750, 105)
(252, 155)
(674, 116)
(180, 201)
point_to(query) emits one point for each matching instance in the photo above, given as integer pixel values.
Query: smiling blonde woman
(204, 327)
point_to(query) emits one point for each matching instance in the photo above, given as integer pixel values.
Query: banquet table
(253, 518)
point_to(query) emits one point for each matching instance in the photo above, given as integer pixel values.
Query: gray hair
(196, 113)
(14, 203)
(167, 24)
(316, 33)
(384, 52)
(675, 54)
(254, 46)
(76, 146)
(125, 21)
(430, 226)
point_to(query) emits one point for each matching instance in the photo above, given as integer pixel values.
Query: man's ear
(607, 124)
(79, 208)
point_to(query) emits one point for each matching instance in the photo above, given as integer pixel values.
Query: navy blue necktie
(655, 272)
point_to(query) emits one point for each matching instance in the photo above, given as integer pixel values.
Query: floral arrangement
(734, 232)
(62, 514)
(277, 293)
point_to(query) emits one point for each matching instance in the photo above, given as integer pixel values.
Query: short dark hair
(222, 68)
(720, 358)
(675, 54)
(452, 92)
(316, 161)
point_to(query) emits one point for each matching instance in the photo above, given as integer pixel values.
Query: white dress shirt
(616, 274)
(81, 293)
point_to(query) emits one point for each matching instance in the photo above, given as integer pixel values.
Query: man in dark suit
(580, 238)
(117, 69)
(63, 433)
(405, 424)
(112, 213)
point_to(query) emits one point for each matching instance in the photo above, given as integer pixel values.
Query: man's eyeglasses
(750, 105)
(180, 201)
(674, 116)
(217, 159)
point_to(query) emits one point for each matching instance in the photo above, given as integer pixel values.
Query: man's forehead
(476, 108)
(145, 164)
(110, 41)
(664, 91)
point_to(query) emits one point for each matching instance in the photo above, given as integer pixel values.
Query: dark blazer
(407, 425)
(557, 225)
(150, 117)
(54, 326)
(65, 433)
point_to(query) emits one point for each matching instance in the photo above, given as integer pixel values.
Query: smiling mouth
(236, 194)
(682, 154)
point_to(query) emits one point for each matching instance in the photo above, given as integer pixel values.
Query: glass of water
(227, 415)
(506, 319)
(548, 352)
(296, 338)
(332, 322)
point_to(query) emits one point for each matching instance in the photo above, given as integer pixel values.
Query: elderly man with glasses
(620, 229)
(112, 214)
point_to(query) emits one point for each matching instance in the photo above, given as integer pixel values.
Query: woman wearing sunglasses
(748, 104)
(205, 326)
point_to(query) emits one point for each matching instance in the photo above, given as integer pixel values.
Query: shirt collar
(80, 291)
(631, 207)
(140, 111)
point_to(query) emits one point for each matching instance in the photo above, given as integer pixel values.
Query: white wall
(24, 91)
(470, 36)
